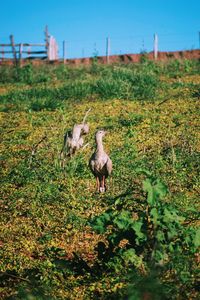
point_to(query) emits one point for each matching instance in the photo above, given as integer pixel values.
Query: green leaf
(171, 216)
(155, 215)
(168, 217)
(157, 255)
(143, 171)
(171, 248)
(137, 227)
(155, 189)
(123, 220)
(171, 233)
(160, 236)
(160, 189)
(131, 257)
(148, 188)
(106, 216)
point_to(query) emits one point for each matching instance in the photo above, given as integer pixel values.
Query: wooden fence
(47, 50)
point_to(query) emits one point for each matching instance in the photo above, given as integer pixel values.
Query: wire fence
(129, 44)
(118, 45)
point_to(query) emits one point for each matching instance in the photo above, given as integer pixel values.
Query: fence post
(20, 54)
(47, 41)
(107, 49)
(13, 49)
(64, 52)
(155, 48)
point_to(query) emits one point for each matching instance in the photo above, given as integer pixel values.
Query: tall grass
(134, 82)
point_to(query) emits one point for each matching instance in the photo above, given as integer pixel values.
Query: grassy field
(59, 239)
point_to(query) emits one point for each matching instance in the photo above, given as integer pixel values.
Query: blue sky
(85, 24)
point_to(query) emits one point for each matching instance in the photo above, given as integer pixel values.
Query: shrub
(77, 90)
(151, 238)
(24, 74)
(124, 83)
(7, 74)
(112, 88)
(45, 104)
(144, 86)
(177, 68)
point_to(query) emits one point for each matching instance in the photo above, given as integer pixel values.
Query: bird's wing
(80, 143)
(100, 166)
(109, 165)
(92, 163)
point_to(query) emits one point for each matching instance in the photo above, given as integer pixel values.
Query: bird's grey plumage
(100, 163)
(73, 140)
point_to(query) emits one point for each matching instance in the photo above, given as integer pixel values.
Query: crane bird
(100, 163)
(73, 140)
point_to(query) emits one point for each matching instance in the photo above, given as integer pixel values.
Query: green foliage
(123, 83)
(111, 88)
(45, 104)
(144, 57)
(145, 86)
(176, 68)
(118, 82)
(147, 286)
(196, 91)
(145, 237)
(7, 74)
(154, 188)
(25, 74)
(132, 120)
(138, 82)
(154, 236)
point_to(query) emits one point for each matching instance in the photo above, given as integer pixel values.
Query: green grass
(48, 246)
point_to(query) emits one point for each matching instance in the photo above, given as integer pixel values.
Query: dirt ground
(123, 58)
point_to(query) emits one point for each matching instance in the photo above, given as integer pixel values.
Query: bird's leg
(102, 185)
(103, 182)
(97, 184)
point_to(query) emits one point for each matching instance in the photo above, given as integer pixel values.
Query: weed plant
(61, 240)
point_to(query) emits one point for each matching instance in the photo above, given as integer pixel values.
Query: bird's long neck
(99, 143)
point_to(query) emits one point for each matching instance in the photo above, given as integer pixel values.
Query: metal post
(155, 46)
(107, 49)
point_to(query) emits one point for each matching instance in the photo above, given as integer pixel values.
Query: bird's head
(100, 133)
(85, 129)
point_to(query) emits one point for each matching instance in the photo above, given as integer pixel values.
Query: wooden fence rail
(49, 49)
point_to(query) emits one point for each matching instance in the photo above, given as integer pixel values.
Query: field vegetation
(59, 239)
